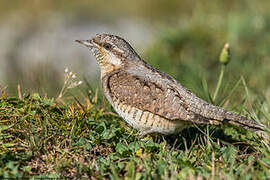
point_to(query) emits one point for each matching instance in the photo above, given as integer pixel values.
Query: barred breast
(145, 121)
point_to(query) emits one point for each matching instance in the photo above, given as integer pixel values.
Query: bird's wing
(153, 96)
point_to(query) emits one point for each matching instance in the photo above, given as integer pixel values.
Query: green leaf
(121, 148)
(130, 168)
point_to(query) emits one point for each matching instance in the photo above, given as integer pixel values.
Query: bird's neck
(107, 68)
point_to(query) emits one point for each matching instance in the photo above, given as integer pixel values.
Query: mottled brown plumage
(149, 100)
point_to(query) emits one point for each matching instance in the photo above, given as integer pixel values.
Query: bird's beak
(87, 43)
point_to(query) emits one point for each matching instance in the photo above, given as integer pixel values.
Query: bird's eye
(107, 46)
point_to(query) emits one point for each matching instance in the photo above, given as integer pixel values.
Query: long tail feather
(238, 120)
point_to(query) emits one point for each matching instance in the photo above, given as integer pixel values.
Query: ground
(42, 137)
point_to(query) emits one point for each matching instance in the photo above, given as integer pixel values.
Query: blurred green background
(181, 37)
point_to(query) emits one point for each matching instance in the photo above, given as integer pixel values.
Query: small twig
(213, 166)
(19, 92)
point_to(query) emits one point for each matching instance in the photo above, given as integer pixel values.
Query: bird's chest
(133, 113)
(144, 121)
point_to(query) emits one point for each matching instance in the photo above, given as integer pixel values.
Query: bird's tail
(238, 120)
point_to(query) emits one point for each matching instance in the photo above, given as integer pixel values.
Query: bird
(148, 99)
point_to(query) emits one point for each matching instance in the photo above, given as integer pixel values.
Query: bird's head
(110, 51)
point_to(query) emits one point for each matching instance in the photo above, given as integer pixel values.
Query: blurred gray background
(182, 38)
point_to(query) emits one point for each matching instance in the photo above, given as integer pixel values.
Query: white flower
(70, 82)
